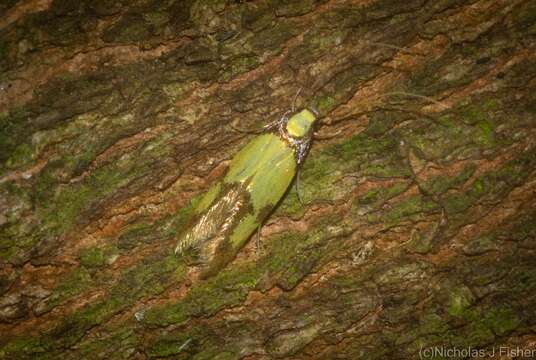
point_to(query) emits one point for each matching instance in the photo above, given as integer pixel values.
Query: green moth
(257, 178)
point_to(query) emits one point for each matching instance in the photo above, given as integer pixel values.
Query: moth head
(301, 124)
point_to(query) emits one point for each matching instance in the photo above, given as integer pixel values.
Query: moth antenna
(314, 110)
(390, 46)
(273, 124)
(243, 131)
(184, 344)
(417, 96)
(258, 240)
(298, 187)
(328, 136)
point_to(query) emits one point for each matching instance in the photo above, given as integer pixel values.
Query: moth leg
(277, 123)
(258, 248)
(298, 187)
(271, 125)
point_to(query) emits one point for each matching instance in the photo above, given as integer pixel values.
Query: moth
(256, 180)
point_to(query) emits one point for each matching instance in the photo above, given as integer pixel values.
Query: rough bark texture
(418, 228)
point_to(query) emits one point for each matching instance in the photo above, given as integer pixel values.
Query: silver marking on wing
(216, 220)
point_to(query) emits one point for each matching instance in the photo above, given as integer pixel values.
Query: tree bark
(417, 232)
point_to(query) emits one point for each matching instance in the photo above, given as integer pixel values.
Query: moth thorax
(300, 124)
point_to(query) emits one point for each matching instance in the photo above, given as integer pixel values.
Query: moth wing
(229, 213)
(266, 166)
